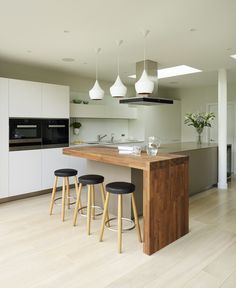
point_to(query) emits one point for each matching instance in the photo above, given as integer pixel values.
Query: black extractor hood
(147, 99)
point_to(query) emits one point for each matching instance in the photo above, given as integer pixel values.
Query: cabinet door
(52, 159)
(4, 135)
(55, 101)
(25, 98)
(24, 172)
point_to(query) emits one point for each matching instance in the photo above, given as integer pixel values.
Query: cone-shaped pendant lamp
(118, 89)
(144, 85)
(96, 93)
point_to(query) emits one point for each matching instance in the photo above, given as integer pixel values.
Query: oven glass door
(24, 134)
(55, 133)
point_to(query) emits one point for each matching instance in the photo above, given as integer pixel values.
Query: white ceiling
(33, 31)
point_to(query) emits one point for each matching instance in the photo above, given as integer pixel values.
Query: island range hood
(147, 99)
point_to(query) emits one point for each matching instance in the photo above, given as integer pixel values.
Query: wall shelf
(102, 111)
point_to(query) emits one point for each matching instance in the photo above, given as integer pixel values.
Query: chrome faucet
(100, 137)
(112, 137)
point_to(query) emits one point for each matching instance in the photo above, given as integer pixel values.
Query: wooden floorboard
(39, 251)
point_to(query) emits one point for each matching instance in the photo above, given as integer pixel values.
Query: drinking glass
(152, 146)
(136, 150)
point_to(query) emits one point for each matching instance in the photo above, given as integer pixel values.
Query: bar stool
(65, 173)
(90, 181)
(120, 188)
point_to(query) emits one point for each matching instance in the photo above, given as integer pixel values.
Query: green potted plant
(76, 126)
(199, 121)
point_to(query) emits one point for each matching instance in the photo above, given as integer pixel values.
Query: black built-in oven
(31, 133)
(55, 133)
(24, 134)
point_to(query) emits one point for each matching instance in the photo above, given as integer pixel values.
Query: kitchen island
(165, 191)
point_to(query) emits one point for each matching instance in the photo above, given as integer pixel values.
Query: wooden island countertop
(165, 191)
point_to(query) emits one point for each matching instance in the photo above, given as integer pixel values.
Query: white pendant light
(144, 85)
(96, 93)
(118, 89)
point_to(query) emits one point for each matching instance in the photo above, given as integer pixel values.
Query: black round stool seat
(120, 187)
(65, 172)
(91, 179)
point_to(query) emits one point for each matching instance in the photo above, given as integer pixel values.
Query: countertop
(184, 146)
(110, 154)
(163, 149)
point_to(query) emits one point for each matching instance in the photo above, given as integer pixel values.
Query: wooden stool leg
(77, 205)
(136, 218)
(63, 200)
(77, 190)
(103, 202)
(93, 201)
(119, 223)
(53, 195)
(89, 210)
(68, 192)
(104, 216)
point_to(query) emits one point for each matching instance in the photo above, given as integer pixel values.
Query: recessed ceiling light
(192, 29)
(233, 56)
(174, 71)
(85, 63)
(68, 59)
(66, 31)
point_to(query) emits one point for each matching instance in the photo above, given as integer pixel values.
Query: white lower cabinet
(33, 170)
(52, 159)
(4, 134)
(25, 173)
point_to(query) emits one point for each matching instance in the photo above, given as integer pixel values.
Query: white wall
(162, 121)
(92, 127)
(196, 99)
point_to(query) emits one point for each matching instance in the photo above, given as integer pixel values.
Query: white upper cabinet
(35, 99)
(55, 101)
(25, 98)
(102, 111)
(4, 134)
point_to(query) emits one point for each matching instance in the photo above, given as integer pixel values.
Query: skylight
(174, 71)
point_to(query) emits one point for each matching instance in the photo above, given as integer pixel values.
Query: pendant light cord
(97, 51)
(145, 34)
(119, 43)
(118, 61)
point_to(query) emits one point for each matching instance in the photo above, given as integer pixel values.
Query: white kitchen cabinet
(25, 173)
(102, 111)
(80, 164)
(52, 159)
(55, 101)
(25, 98)
(4, 135)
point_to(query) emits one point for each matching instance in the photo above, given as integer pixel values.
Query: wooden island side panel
(166, 205)
(165, 191)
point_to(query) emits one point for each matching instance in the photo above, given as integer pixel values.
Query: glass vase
(199, 135)
(199, 138)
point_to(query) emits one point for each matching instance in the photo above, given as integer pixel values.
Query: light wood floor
(39, 251)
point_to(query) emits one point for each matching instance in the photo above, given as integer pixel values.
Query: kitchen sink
(111, 142)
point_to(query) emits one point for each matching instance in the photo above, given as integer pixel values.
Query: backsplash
(92, 127)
